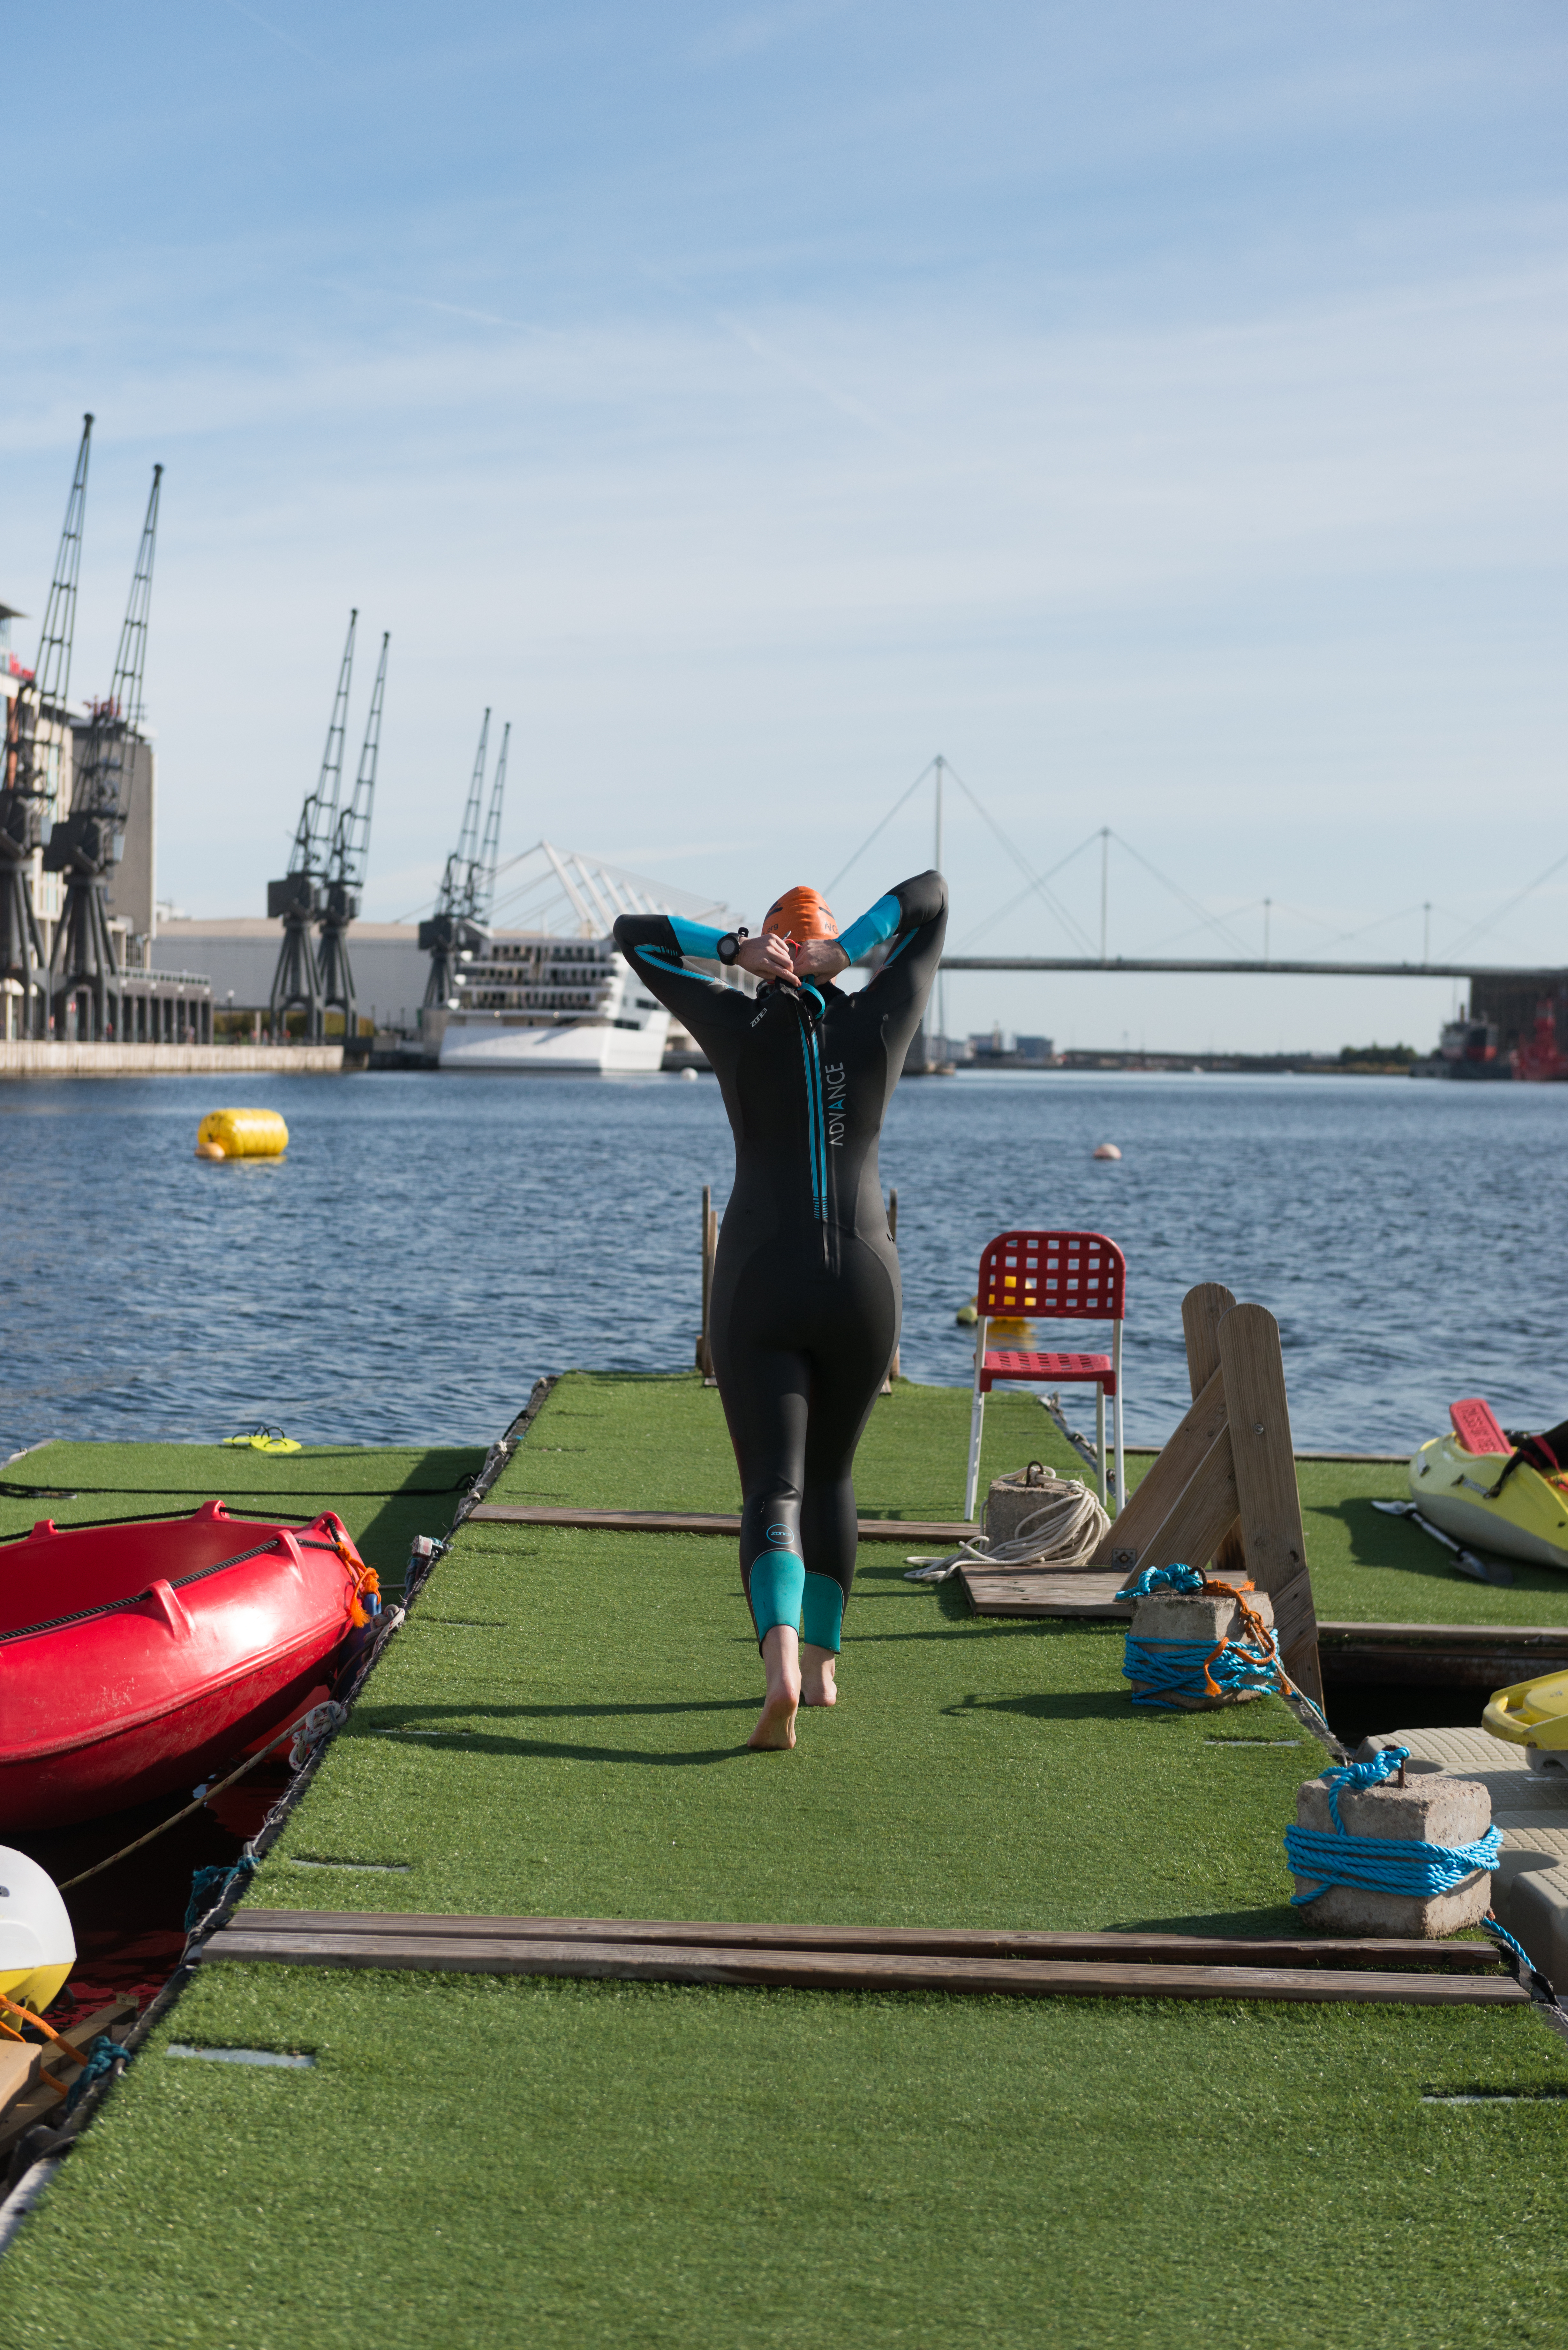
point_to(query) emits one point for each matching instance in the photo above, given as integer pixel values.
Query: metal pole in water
(937, 863)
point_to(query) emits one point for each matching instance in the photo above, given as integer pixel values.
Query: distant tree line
(1388, 1056)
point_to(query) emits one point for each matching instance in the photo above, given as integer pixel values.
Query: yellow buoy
(242, 1134)
(38, 1949)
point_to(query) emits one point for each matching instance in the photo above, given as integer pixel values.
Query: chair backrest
(1076, 1276)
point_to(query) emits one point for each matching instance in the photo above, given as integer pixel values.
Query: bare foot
(817, 1668)
(774, 1732)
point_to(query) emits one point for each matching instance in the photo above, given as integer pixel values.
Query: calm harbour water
(431, 1246)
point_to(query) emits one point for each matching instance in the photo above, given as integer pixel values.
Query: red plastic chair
(1049, 1277)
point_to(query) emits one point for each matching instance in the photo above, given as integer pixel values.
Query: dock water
(559, 1732)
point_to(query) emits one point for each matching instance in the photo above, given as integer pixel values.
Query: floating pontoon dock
(670, 2144)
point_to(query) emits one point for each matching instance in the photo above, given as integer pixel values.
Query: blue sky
(1157, 411)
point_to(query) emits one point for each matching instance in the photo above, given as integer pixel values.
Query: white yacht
(559, 1000)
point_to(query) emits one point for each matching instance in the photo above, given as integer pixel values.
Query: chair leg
(1100, 1439)
(1121, 1463)
(971, 1482)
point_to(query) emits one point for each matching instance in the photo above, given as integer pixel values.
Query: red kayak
(136, 1658)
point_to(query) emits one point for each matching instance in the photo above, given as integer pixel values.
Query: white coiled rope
(1062, 1532)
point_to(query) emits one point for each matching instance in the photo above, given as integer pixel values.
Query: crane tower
(83, 969)
(346, 876)
(30, 777)
(468, 885)
(299, 898)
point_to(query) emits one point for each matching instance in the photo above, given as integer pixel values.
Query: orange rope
(28, 2016)
(1252, 1622)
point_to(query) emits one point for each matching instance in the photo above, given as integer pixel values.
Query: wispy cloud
(277, 34)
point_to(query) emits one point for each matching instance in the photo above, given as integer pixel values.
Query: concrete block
(1433, 1807)
(1199, 1616)
(1012, 1501)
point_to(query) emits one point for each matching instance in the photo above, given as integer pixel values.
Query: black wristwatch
(729, 945)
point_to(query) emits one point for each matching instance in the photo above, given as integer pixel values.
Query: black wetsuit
(803, 1316)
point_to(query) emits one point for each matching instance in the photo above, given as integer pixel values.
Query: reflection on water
(430, 1245)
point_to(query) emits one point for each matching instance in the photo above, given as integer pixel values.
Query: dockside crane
(84, 845)
(346, 876)
(299, 897)
(482, 890)
(29, 779)
(468, 885)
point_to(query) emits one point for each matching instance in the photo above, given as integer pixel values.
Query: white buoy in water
(38, 1949)
(690, 1073)
(1107, 1150)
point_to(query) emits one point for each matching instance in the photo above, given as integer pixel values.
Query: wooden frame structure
(1224, 1489)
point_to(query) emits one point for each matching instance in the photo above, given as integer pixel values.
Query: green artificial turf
(623, 1442)
(1369, 1568)
(203, 1469)
(503, 2162)
(560, 1731)
(610, 1442)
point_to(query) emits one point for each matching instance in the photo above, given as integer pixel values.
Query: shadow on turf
(1058, 1705)
(1394, 1545)
(432, 1719)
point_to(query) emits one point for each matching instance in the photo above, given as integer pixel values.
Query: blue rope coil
(1162, 1578)
(1381, 1864)
(1168, 1670)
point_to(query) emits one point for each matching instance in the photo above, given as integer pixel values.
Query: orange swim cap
(800, 914)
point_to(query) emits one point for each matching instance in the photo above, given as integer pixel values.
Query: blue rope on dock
(103, 2054)
(1177, 1666)
(1168, 1670)
(205, 1882)
(1162, 1578)
(1382, 1863)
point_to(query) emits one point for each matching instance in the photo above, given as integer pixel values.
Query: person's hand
(767, 957)
(820, 959)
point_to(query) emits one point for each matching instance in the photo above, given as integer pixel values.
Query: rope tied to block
(1065, 1531)
(1404, 1865)
(1164, 1671)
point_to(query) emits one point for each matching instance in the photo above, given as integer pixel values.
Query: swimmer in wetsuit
(803, 1316)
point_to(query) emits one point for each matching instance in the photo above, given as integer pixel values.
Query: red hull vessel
(135, 1659)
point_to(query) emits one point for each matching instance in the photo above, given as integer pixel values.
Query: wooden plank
(937, 1941)
(58, 2071)
(18, 2071)
(1035, 1591)
(701, 1522)
(1156, 1497)
(1480, 1657)
(1200, 1519)
(1543, 1638)
(859, 1971)
(1202, 1310)
(1271, 1509)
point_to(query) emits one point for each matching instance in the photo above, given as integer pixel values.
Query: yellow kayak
(1534, 1714)
(1522, 1517)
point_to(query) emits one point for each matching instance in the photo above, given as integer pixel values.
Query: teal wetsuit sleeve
(692, 938)
(654, 945)
(872, 928)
